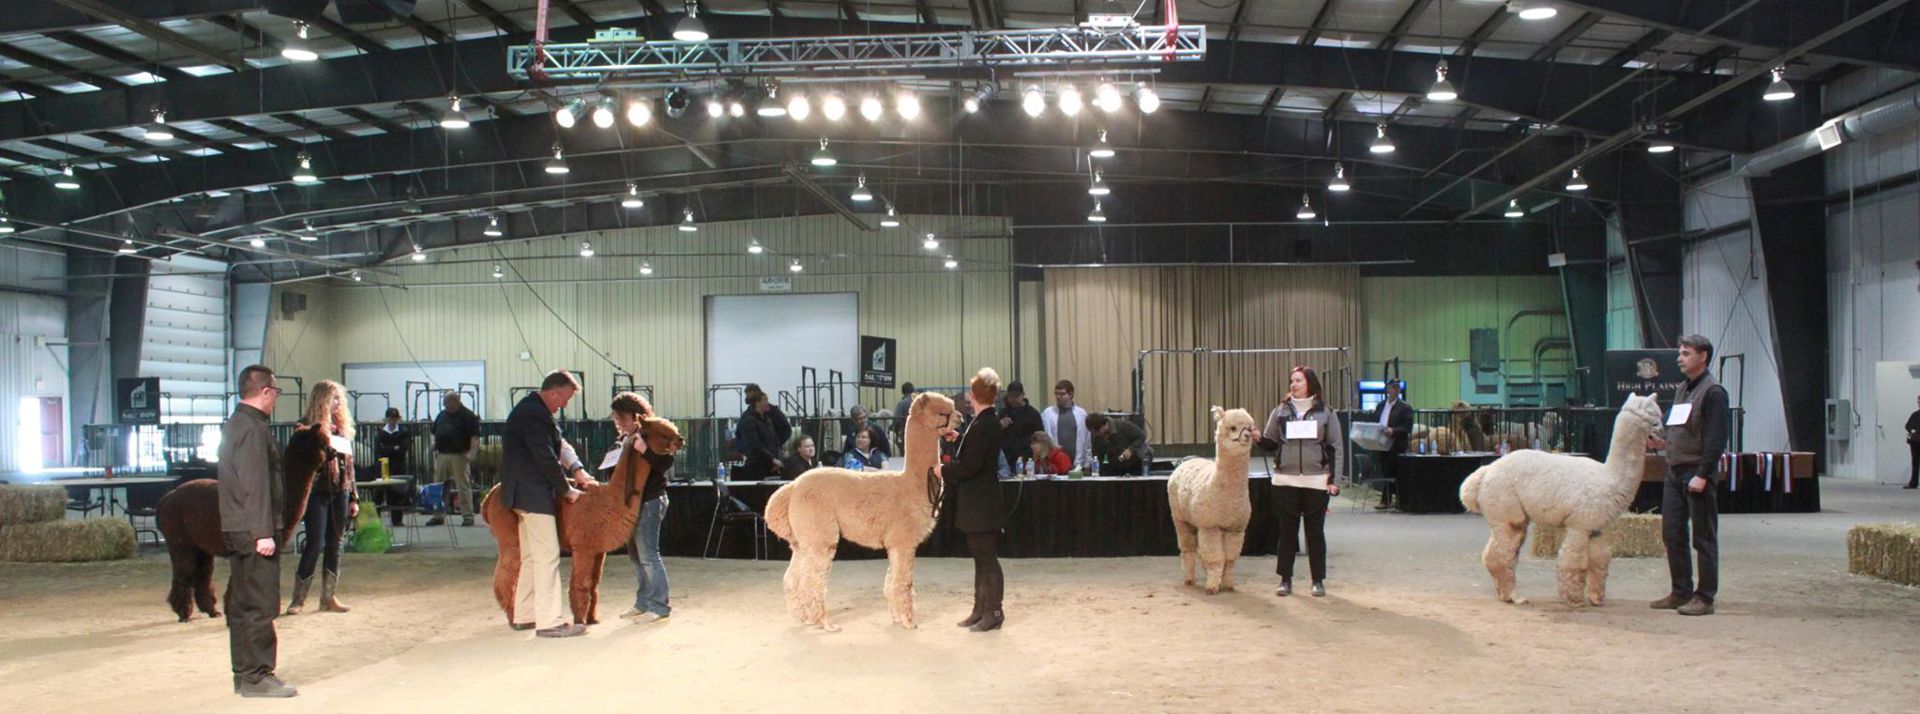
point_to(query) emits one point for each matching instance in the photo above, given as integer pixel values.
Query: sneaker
(1285, 589)
(521, 626)
(1697, 606)
(1670, 602)
(1319, 589)
(1383, 506)
(566, 630)
(651, 617)
(267, 687)
(632, 613)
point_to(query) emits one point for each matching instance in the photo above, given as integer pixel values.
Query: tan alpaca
(1210, 503)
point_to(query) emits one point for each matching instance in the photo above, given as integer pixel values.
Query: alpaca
(889, 510)
(1210, 503)
(1579, 494)
(189, 519)
(599, 522)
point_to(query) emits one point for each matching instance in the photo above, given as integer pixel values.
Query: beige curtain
(1098, 320)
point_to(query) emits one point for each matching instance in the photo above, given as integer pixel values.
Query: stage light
(678, 100)
(639, 111)
(1106, 97)
(603, 113)
(1148, 99)
(1033, 101)
(799, 108)
(569, 113)
(907, 105)
(1069, 101)
(870, 107)
(833, 107)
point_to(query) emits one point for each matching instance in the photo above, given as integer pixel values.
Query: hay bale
(1632, 535)
(32, 504)
(67, 541)
(1889, 551)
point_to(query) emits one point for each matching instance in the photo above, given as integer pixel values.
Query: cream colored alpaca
(1582, 495)
(1210, 503)
(889, 510)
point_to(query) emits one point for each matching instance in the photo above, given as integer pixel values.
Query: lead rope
(933, 494)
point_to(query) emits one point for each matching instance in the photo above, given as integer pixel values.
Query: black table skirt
(1750, 498)
(1431, 484)
(1047, 519)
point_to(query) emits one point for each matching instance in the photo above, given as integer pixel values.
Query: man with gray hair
(1696, 434)
(252, 515)
(535, 467)
(456, 438)
(875, 435)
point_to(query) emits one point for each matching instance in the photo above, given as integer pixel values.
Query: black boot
(991, 616)
(989, 622)
(974, 616)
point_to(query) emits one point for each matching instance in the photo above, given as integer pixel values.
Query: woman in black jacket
(978, 510)
(801, 457)
(758, 442)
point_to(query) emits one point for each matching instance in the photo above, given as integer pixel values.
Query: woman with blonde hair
(330, 502)
(977, 509)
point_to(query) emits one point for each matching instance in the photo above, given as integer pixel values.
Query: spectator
(1119, 445)
(1048, 459)
(782, 429)
(1913, 448)
(1066, 424)
(900, 413)
(877, 437)
(456, 433)
(1019, 421)
(533, 479)
(396, 446)
(963, 415)
(861, 456)
(802, 456)
(252, 508)
(1397, 416)
(758, 441)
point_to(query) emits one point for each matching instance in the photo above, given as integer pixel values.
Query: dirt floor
(1410, 624)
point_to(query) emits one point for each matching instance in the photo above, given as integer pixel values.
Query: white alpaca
(1209, 500)
(1582, 495)
(888, 510)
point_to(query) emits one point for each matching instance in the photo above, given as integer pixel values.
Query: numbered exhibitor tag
(1680, 414)
(1303, 429)
(612, 459)
(340, 444)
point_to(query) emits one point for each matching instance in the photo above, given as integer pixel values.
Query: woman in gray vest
(1306, 439)
(1696, 434)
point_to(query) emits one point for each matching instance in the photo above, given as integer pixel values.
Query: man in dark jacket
(456, 437)
(1120, 445)
(1913, 447)
(1018, 422)
(1397, 416)
(758, 440)
(533, 479)
(1696, 434)
(393, 443)
(876, 436)
(252, 515)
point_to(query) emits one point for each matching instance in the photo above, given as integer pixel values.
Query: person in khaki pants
(456, 437)
(533, 478)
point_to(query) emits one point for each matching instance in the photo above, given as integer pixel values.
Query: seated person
(1119, 446)
(801, 457)
(1048, 459)
(876, 435)
(863, 457)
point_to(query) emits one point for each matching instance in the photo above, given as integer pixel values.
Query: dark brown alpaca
(600, 522)
(189, 518)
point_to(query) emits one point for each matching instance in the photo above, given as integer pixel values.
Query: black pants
(989, 582)
(1914, 459)
(1680, 508)
(1389, 470)
(326, 519)
(1295, 505)
(253, 599)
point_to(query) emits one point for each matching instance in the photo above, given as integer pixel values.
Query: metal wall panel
(1426, 320)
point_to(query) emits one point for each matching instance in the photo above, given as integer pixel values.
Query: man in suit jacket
(1397, 416)
(533, 479)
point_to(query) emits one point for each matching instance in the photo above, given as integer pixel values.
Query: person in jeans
(1306, 439)
(533, 479)
(252, 508)
(456, 437)
(650, 602)
(330, 501)
(1696, 434)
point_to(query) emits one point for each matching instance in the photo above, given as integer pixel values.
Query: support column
(1790, 220)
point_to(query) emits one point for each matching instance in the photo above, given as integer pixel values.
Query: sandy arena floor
(1410, 625)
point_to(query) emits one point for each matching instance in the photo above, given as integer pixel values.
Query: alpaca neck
(921, 450)
(1231, 466)
(1627, 455)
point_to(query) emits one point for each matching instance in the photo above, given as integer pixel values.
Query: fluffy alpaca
(600, 521)
(1579, 494)
(889, 510)
(1210, 503)
(189, 519)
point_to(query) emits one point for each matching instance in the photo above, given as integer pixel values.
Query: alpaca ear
(1217, 413)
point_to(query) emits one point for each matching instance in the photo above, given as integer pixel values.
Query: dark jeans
(1914, 459)
(1680, 508)
(253, 599)
(326, 519)
(1295, 505)
(1389, 470)
(989, 582)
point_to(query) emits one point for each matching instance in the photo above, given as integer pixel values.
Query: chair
(1375, 484)
(145, 503)
(428, 501)
(727, 513)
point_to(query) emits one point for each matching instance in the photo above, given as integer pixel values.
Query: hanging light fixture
(307, 233)
(1033, 101)
(304, 172)
(646, 267)
(870, 107)
(907, 105)
(603, 113)
(1660, 146)
(1070, 101)
(1513, 209)
(1101, 149)
(6, 225)
(1779, 90)
(1532, 9)
(770, 106)
(931, 242)
(586, 249)
(824, 157)
(158, 130)
(454, 118)
(690, 28)
(493, 227)
(833, 107)
(970, 105)
(1099, 187)
(1381, 144)
(558, 164)
(892, 219)
(1098, 215)
(950, 262)
(639, 111)
(126, 246)
(754, 247)
(497, 272)
(1106, 97)
(1306, 209)
(569, 112)
(65, 180)
(798, 107)
(794, 267)
(299, 49)
(686, 222)
(1148, 99)
(1339, 182)
(1577, 182)
(355, 275)
(632, 200)
(860, 192)
(257, 242)
(419, 254)
(1442, 90)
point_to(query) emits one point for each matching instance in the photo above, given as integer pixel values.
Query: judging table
(1430, 483)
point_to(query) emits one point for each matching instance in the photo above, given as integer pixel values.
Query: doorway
(41, 438)
(1894, 388)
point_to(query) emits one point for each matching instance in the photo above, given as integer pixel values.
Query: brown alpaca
(189, 518)
(599, 522)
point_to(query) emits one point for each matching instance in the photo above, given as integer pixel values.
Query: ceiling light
(126, 245)
(558, 164)
(159, 131)
(950, 262)
(799, 108)
(970, 105)
(833, 107)
(1442, 90)
(1306, 209)
(1339, 182)
(1532, 10)
(603, 113)
(754, 247)
(308, 234)
(1101, 149)
(632, 199)
(419, 254)
(1098, 215)
(794, 267)
(586, 249)
(870, 107)
(892, 219)
(1513, 209)
(497, 272)
(1660, 146)
(1098, 187)
(6, 226)
(860, 192)
(355, 275)
(299, 49)
(690, 28)
(65, 180)
(736, 108)
(1106, 97)
(1381, 144)
(304, 173)
(686, 222)
(493, 227)
(907, 105)
(257, 242)
(1577, 182)
(1148, 99)
(678, 99)
(1779, 90)
(1069, 101)
(646, 267)
(931, 242)
(824, 157)
(770, 106)
(716, 108)
(569, 113)
(454, 118)
(639, 111)
(1033, 101)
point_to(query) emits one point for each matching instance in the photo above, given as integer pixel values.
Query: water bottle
(720, 472)
(1536, 443)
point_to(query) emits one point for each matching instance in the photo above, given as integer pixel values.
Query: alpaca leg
(506, 575)
(1573, 566)
(1503, 551)
(1189, 543)
(185, 576)
(795, 584)
(899, 587)
(816, 587)
(598, 566)
(1210, 555)
(1599, 556)
(580, 589)
(1231, 543)
(203, 596)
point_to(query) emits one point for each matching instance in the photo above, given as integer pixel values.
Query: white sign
(1680, 414)
(340, 444)
(776, 285)
(612, 459)
(1303, 429)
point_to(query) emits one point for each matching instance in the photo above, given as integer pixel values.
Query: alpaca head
(661, 436)
(1234, 431)
(932, 411)
(1640, 411)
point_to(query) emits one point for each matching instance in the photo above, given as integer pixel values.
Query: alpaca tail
(1470, 491)
(776, 515)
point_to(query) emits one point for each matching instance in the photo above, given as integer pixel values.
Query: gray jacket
(1306, 457)
(252, 496)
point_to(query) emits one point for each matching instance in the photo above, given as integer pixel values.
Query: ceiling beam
(106, 51)
(1639, 47)
(115, 14)
(1495, 20)
(1405, 23)
(1320, 21)
(387, 125)
(1709, 61)
(359, 41)
(500, 21)
(1560, 41)
(57, 67)
(44, 17)
(574, 12)
(1778, 25)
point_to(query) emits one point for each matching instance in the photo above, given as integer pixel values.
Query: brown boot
(299, 600)
(1670, 602)
(328, 602)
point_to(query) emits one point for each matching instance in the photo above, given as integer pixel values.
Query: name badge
(340, 444)
(1680, 414)
(1303, 429)
(612, 459)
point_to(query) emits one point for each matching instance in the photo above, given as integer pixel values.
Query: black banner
(877, 358)
(1643, 372)
(136, 400)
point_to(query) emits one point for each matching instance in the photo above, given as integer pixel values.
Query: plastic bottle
(720, 473)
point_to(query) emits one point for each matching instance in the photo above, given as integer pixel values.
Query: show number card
(1303, 429)
(340, 444)
(612, 459)
(1680, 414)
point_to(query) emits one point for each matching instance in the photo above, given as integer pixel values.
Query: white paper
(613, 458)
(340, 444)
(1680, 414)
(1303, 429)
